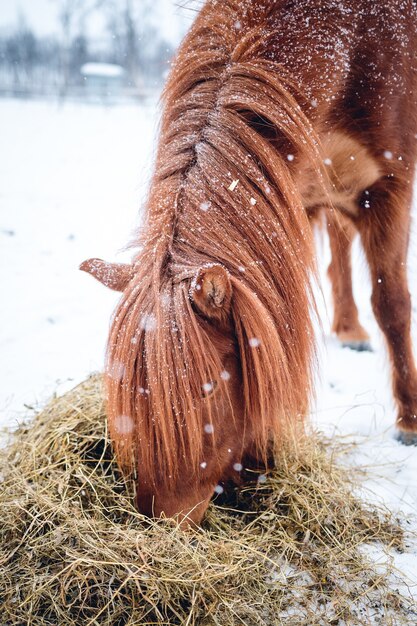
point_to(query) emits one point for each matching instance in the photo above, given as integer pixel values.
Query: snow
(72, 179)
(124, 424)
(148, 322)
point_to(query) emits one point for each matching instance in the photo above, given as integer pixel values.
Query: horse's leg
(384, 230)
(346, 323)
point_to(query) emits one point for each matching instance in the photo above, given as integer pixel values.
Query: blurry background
(79, 89)
(98, 49)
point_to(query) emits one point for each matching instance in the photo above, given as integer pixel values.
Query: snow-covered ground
(71, 182)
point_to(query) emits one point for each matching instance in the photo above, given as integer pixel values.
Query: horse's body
(274, 112)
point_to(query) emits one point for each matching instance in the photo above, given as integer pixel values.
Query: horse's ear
(211, 291)
(116, 276)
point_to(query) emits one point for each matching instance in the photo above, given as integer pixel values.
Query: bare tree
(47, 65)
(71, 12)
(136, 40)
(21, 55)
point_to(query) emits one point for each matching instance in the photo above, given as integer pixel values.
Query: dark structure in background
(52, 66)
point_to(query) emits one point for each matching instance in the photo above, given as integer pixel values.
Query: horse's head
(198, 378)
(176, 394)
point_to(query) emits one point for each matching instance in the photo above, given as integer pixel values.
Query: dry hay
(286, 551)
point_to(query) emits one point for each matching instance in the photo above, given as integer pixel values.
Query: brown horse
(274, 112)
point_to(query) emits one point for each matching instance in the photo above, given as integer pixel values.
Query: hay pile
(75, 552)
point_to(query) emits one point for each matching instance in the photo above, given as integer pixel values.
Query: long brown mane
(226, 108)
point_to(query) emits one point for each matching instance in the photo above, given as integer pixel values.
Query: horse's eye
(208, 388)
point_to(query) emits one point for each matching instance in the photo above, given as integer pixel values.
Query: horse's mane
(227, 109)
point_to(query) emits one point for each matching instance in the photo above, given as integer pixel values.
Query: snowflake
(148, 322)
(116, 370)
(124, 424)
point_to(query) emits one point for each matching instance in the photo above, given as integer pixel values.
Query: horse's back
(356, 62)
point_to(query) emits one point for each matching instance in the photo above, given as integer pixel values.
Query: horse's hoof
(359, 346)
(406, 438)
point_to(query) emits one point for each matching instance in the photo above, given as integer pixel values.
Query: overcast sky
(42, 17)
